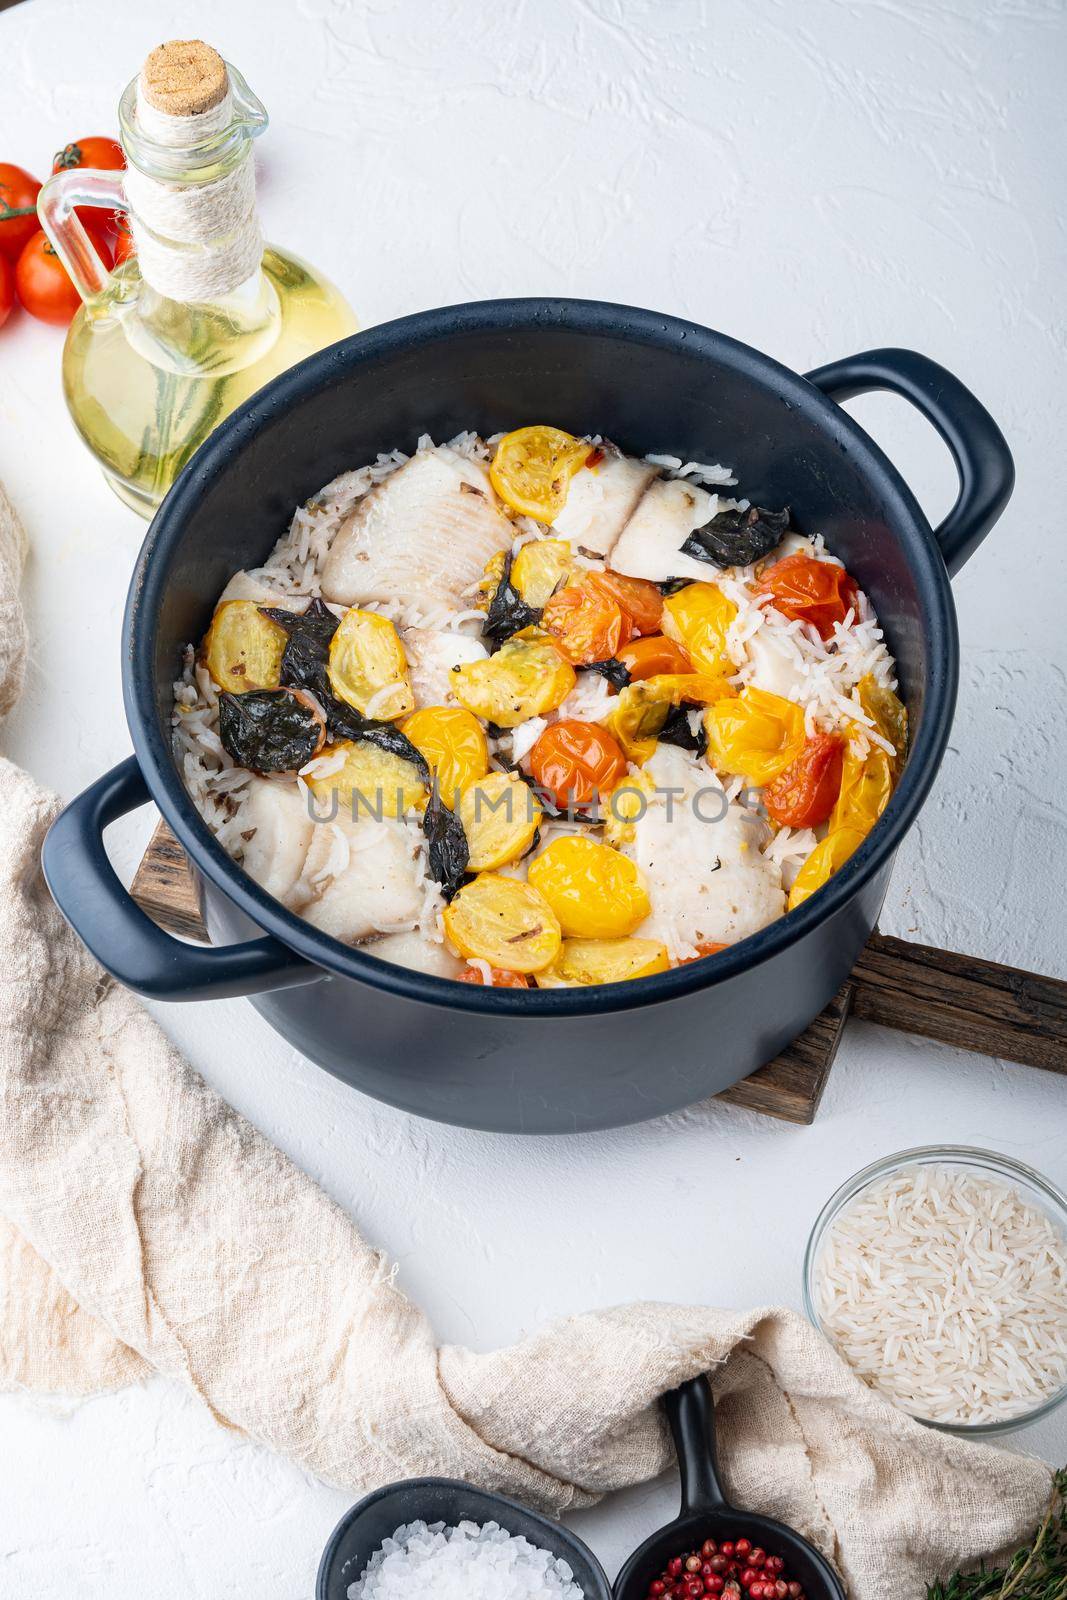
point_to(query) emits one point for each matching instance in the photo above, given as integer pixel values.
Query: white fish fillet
(421, 537)
(707, 880)
(773, 669)
(601, 500)
(431, 655)
(277, 850)
(379, 888)
(650, 544)
(415, 951)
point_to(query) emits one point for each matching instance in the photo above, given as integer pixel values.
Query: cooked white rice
(946, 1290)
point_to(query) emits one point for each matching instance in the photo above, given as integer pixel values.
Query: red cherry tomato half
(573, 761)
(7, 289)
(18, 209)
(654, 656)
(819, 592)
(639, 601)
(498, 978)
(42, 282)
(805, 793)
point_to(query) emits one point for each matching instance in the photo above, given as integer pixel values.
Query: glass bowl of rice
(940, 1276)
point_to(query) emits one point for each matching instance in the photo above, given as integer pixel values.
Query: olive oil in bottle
(203, 313)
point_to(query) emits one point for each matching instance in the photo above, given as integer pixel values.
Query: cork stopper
(183, 78)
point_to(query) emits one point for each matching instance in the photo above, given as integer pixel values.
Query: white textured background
(814, 179)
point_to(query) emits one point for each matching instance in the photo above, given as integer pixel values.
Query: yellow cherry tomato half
(243, 649)
(453, 742)
(698, 618)
(539, 569)
(525, 678)
(372, 782)
(755, 736)
(589, 961)
(368, 667)
(533, 467)
(505, 922)
(866, 788)
(595, 892)
(831, 853)
(500, 815)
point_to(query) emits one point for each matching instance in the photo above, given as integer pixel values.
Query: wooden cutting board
(958, 1000)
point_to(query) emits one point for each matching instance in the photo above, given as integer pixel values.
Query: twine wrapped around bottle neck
(195, 241)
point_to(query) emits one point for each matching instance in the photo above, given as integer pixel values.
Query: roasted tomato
(698, 617)
(652, 656)
(823, 862)
(498, 978)
(755, 736)
(588, 624)
(803, 795)
(532, 469)
(589, 961)
(500, 815)
(505, 922)
(635, 719)
(639, 601)
(371, 781)
(595, 892)
(704, 949)
(539, 569)
(525, 678)
(368, 667)
(819, 592)
(453, 742)
(864, 792)
(574, 761)
(685, 688)
(243, 649)
(625, 807)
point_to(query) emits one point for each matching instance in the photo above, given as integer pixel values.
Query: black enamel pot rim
(523, 316)
(561, 1538)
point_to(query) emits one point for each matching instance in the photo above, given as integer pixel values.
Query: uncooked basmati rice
(467, 1562)
(946, 1290)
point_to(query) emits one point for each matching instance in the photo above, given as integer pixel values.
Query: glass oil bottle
(203, 313)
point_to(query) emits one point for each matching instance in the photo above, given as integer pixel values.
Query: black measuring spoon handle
(691, 1414)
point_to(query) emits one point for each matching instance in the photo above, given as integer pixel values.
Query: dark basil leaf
(508, 612)
(307, 650)
(449, 851)
(616, 672)
(268, 730)
(671, 586)
(676, 730)
(738, 538)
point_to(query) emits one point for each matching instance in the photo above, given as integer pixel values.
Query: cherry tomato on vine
(7, 289)
(805, 793)
(42, 282)
(124, 245)
(102, 154)
(573, 761)
(819, 592)
(18, 209)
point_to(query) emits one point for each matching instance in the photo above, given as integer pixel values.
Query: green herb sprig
(1036, 1572)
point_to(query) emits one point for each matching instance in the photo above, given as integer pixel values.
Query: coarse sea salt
(467, 1562)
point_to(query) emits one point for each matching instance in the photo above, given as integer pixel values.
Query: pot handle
(691, 1413)
(979, 449)
(117, 932)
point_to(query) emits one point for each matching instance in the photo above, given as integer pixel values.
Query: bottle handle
(79, 186)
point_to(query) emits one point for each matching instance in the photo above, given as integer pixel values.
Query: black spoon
(707, 1514)
(362, 1530)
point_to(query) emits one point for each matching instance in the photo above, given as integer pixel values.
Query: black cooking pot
(537, 1061)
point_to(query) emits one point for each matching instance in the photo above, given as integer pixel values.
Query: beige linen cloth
(146, 1227)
